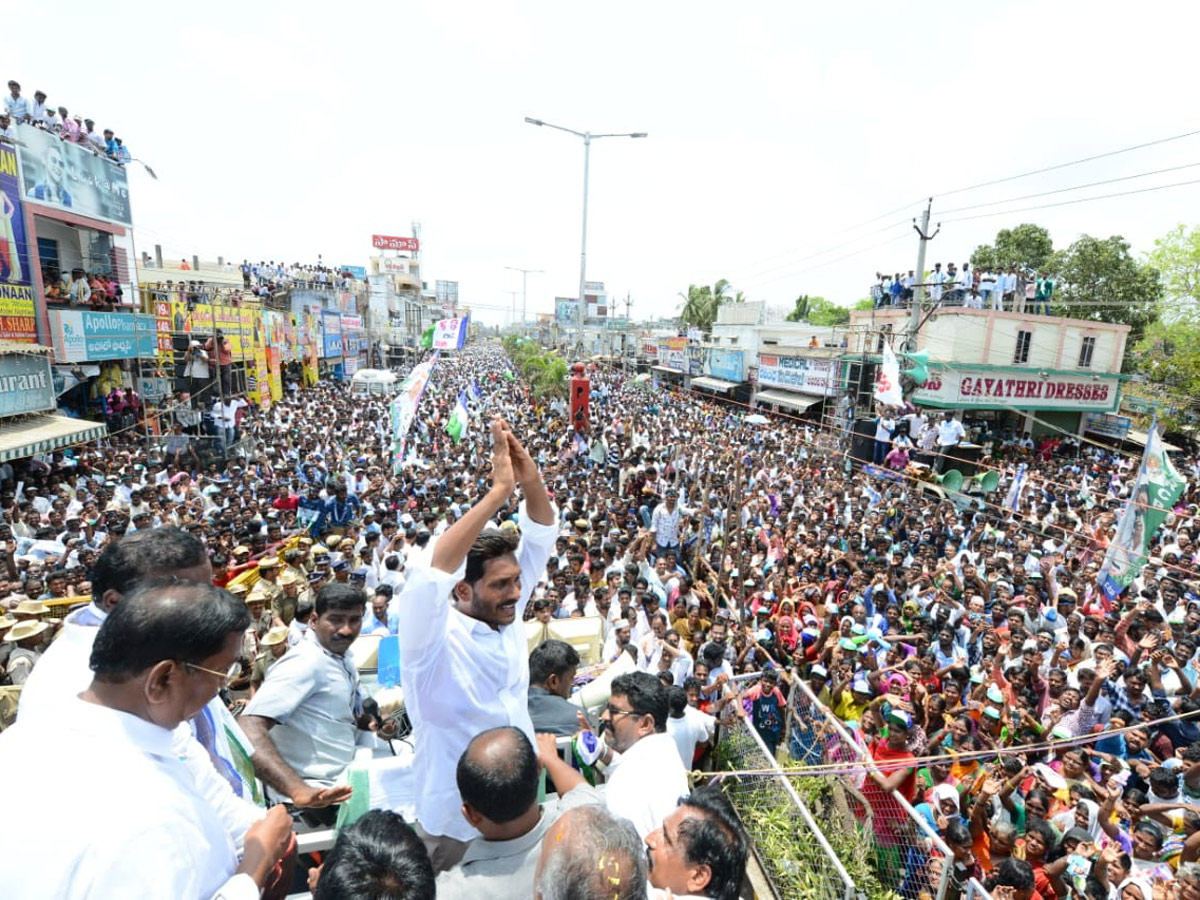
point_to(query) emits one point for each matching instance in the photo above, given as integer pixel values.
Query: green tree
(800, 312)
(1176, 255)
(818, 311)
(701, 303)
(1169, 356)
(1025, 245)
(1099, 279)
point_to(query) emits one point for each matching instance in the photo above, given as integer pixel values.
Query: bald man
(603, 848)
(498, 776)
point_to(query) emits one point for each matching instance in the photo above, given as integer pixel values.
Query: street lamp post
(588, 137)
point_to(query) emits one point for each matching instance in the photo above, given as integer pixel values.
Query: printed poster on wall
(16, 280)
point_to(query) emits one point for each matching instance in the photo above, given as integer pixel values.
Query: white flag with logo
(887, 381)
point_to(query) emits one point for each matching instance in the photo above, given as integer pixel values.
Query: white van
(377, 382)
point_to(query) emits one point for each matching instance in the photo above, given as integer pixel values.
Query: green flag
(457, 426)
(427, 338)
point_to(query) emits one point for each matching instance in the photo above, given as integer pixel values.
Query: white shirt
(692, 728)
(646, 782)
(144, 829)
(312, 694)
(462, 677)
(950, 433)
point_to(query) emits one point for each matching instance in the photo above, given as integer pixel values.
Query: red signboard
(388, 242)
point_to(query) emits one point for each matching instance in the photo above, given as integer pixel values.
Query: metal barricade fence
(976, 891)
(791, 849)
(907, 851)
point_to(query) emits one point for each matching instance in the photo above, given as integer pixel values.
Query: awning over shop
(30, 435)
(714, 384)
(799, 402)
(666, 371)
(1140, 438)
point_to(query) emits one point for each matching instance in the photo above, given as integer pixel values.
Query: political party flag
(509, 376)
(887, 381)
(1157, 487)
(427, 338)
(475, 392)
(1013, 499)
(459, 419)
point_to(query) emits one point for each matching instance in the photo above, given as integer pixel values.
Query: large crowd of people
(1046, 733)
(1006, 288)
(76, 129)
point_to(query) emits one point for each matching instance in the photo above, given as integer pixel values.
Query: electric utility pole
(525, 273)
(914, 319)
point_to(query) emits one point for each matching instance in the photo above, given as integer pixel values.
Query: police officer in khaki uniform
(283, 608)
(267, 587)
(274, 645)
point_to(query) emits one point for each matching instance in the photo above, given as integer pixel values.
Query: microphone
(370, 707)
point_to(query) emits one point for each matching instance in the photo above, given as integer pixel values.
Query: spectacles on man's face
(614, 712)
(235, 669)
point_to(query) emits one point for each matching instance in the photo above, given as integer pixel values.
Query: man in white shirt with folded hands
(463, 654)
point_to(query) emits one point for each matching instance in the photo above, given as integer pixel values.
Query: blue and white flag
(1013, 500)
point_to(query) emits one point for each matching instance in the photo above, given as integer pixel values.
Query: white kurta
(462, 677)
(138, 827)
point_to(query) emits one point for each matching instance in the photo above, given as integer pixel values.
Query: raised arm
(450, 552)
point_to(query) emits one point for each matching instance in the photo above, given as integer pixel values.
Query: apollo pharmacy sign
(1019, 389)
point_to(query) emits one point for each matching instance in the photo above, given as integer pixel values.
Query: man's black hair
(677, 701)
(378, 856)
(714, 837)
(340, 595)
(647, 696)
(488, 546)
(144, 553)
(503, 788)
(164, 619)
(551, 658)
(1014, 873)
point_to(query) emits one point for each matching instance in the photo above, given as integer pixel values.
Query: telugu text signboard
(69, 176)
(391, 242)
(449, 334)
(81, 336)
(1018, 389)
(797, 373)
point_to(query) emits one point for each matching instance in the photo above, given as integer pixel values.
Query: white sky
(284, 130)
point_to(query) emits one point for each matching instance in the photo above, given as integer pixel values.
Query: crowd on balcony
(19, 110)
(1013, 288)
(268, 277)
(79, 288)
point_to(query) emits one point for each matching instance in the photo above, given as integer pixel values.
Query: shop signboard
(797, 373)
(566, 309)
(331, 332)
(71, 177)
(726, 364)
(1018, 389)
(26, 385)
(1108, 425)
(391, 242)
(672, 353)
(17, 321)
(359, 272)
(650, 348)
(82, 336)
(695, 356)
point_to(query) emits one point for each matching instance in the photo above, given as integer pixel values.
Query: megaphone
(987, 482)
(951, 480)
(919, 373)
